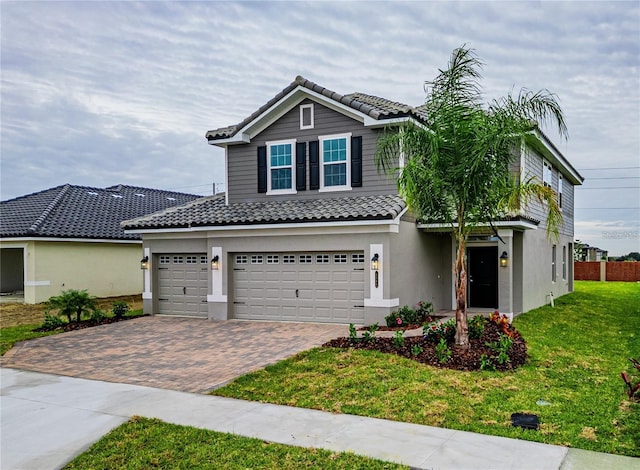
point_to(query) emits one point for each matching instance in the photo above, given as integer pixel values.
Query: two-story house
(309, 230)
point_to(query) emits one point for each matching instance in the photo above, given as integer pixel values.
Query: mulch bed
(89, 323)
(461, 359)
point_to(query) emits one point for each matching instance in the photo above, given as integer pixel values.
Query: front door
(483, 276)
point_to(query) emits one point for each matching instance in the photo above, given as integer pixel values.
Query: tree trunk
(462, 328)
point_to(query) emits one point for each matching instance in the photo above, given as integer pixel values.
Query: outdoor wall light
(504, 259)
(144, 263)
(215, 263)
(375, 262)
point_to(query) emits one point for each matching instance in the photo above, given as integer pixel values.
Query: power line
(613, 178)
(610, 187)
(607, 208)
(610, 168)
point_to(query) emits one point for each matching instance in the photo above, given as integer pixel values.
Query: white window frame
(553, 263)
(564, 262)
(547, 173)
(560, 184)
(303, 107)
(347, 186)
(291, 190)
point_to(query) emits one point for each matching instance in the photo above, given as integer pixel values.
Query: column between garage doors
(217, 300)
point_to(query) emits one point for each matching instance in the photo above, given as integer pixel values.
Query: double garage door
(302, 286)
(306, 286)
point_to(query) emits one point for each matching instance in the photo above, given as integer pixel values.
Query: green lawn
(577, 351)
(149, 443)
(12, 334)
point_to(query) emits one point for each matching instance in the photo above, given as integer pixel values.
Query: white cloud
(101, 93)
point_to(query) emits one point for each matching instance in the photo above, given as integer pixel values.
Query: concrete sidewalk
(46, 420)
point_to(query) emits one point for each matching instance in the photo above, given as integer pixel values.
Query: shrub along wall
(628, 271)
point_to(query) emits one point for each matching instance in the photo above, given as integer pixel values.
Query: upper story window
(335, 162)
(306, 116)
(560, 183)
(546, 173)
(280, 160)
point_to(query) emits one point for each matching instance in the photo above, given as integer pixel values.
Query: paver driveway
(191, 355)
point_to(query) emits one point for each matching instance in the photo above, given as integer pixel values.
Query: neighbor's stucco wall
(103, 269)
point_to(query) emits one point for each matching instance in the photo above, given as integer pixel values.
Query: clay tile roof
(373, 106)
(71, 211)
(212, 211)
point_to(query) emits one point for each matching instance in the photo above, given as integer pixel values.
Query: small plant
(501, 348)
(119, 309)
(486, 363)
(423, 311)
(52, 322)
(505, 325)
(71, 302)
(370, 333)
(97, 315)
(353, 333)
(633, 390)
(398, 339)
(416, 350)
(434, 332)
(443, 352)
(476, 327)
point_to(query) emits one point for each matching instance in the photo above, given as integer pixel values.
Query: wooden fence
(606, 271)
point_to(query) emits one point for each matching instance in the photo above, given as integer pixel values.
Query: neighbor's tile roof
(212, 211)
(373, 106)
(70, 211)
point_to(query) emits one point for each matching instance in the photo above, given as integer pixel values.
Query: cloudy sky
(102, 93)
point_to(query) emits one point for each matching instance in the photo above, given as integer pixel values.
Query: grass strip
(145, 443)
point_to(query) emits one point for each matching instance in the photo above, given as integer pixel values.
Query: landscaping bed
(420, 349)
(89, 323)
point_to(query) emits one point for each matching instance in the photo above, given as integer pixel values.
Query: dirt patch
(15, 314)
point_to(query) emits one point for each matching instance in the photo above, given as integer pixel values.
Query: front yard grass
(145, 443)
(571, 380)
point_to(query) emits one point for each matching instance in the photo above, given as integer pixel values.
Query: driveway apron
(186, 354)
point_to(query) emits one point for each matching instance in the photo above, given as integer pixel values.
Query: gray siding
(533, 167)
(242, 160)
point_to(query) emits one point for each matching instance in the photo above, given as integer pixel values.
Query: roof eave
(551, 152)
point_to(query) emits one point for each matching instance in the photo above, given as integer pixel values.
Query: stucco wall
(420, 266)
(537, 272)
(103, 269)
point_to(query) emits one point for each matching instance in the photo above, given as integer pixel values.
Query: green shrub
(416, 350)
(443, 352)
(71, 302)
(370, 334)
(423, 312)
(97, 315)
(476, 327)
(353, 333)
(398, 339)
(501, 348)
(120, 309)
(51, 322)
(435, 331)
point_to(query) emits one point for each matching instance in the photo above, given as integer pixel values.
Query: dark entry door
(483, 276)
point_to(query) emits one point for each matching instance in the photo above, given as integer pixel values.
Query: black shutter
(301, 166)
(262, 169)
(356, 162)
(314, 165)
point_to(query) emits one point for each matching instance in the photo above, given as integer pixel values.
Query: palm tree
(73, 301)
(456, 167)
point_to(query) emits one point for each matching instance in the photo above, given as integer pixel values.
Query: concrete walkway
(46, 420)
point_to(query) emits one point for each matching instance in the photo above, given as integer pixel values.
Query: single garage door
(315, 287)
(182, 284)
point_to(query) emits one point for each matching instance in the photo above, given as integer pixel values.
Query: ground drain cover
(525, 421)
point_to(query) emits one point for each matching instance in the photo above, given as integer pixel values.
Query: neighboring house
(593, 253)
(309, 230)
(69, 237)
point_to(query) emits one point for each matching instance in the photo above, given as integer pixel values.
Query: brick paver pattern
(192, 355)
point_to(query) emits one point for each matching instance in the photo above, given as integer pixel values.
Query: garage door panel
(182, 287)
(323, 287)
